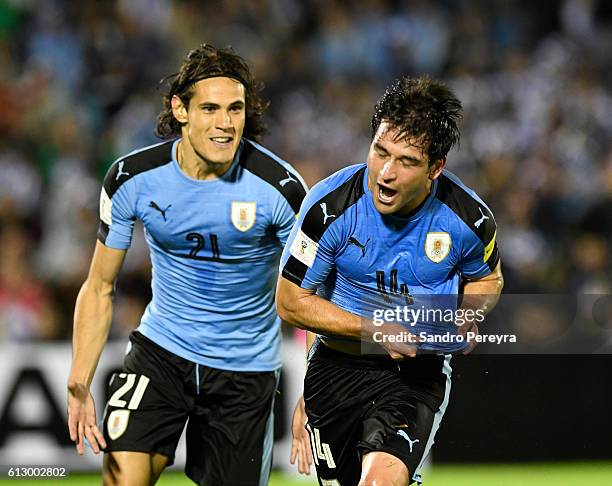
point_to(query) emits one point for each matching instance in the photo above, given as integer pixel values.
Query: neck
(196, 166)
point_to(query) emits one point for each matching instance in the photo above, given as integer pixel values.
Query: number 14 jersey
(365, 262)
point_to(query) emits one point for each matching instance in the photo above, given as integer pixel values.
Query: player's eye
(236, 109)
(208, 109)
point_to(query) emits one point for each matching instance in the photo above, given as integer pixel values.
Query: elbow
(284, 310)
(500, 280)
(287, 310)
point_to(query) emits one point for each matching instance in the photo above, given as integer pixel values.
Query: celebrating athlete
(397, 229)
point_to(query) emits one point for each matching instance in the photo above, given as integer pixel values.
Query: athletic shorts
(357, 405)
(228, 414)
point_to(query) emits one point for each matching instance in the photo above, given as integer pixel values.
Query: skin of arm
(92, 320)
(304, 309)
(300, 444)
(481, 294)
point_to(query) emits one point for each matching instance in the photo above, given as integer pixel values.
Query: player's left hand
(300, 443)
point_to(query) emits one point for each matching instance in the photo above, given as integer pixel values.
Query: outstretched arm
(92, 320)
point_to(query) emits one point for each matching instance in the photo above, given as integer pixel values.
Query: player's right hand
(398, 341)
(300, 443)
(82, 419)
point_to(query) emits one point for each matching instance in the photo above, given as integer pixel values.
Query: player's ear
(179, 110)
(436, 168)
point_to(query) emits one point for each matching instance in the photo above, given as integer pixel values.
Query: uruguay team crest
(243, 215)
(437, 246)
(117, 423)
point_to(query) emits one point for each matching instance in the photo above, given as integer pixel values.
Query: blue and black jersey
(215, 247)
(361, 260)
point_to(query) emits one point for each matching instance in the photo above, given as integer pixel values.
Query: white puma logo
(325, 215)
(120, 172)
(481, 220)
(403, 434)
(289, 179)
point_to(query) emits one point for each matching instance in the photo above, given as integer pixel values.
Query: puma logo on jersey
(289, 179)
(481, 220)
(411, 443)
(354, 241)
(153, 205)
(325, 215)
(120, 172)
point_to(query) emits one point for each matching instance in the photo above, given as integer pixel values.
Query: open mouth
(386, 194)
(222, 142)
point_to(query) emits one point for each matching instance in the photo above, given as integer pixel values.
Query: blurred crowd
(80, 85)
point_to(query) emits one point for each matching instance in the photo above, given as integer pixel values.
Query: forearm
(320, 316)
(483, 294)
(92, 320)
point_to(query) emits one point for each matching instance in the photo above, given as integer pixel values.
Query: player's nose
(388, 171)
(223, 119)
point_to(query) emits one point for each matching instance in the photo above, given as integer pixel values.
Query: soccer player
(216, 208)
(397, 228)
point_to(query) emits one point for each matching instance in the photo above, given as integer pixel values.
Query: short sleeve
(479, 255)
(283, 212)
(117, 209)
(310, 250)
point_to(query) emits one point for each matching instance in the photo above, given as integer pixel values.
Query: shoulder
(273, 170)
(136, 162)
(342, 186)
(467, 206)
(329, 199)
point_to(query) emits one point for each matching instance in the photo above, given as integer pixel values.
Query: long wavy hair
(209, 62)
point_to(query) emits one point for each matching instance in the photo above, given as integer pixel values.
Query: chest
(202, 221)
(421, 254)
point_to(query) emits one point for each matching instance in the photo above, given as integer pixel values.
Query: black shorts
(229, 414)
(357, 405)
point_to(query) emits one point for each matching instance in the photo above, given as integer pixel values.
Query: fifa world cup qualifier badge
(437, 246)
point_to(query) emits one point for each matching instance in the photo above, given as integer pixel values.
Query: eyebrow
(216, 105)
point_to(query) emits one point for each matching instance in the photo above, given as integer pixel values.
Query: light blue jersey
(215, 247)
(363, 261)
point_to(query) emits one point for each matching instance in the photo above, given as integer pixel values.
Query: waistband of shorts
(140, 339)
(346, 360)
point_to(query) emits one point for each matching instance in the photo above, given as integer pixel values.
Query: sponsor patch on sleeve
(304, 249)
(106, 208)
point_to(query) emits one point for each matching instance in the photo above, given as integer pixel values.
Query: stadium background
(79, 87)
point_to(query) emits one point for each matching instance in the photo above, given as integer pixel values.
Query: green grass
(549, 474)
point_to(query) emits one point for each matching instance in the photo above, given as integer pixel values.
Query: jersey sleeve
(309, 253)
(117, 210)
(285, 207)
(479, 254)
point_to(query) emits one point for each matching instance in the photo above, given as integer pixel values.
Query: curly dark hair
(209, 62)
(423, 109)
